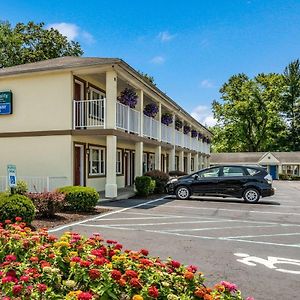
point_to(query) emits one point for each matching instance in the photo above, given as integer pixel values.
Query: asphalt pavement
(256, 246)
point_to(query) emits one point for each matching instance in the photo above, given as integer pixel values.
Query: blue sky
(190, 47)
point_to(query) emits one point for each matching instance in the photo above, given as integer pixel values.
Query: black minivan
(248, 182)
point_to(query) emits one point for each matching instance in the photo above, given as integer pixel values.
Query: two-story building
(64, 125)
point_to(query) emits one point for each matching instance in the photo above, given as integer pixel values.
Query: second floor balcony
(89, 114)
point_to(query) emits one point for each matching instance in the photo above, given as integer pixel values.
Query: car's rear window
(252, 172)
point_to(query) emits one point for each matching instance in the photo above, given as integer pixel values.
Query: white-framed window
(119, 160)
(95, 94)
(96, 161)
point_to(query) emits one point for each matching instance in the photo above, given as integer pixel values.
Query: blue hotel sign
(6, 103)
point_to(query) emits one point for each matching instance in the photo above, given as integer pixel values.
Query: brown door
(77, 166)
(80, 115)
(77, 91)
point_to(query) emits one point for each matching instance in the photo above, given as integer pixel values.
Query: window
(97, 161)
(119, 166)
(252, 172)
(214, 172)
(176, 163)
(233, 171)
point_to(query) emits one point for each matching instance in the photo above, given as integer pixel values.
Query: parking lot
(256, 246)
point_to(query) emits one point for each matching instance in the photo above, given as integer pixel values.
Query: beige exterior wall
(40, 102)
(38, 156)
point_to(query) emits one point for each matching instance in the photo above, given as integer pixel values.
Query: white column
(159, 121)
(158, 158)
(111, 177)
(189, 162)
(140, 108)
(181, 161)
(111, 99)
(138, 163)
(196, 162)
(172, 159)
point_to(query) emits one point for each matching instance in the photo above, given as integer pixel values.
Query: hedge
(80, 198)
(12, 206)
(144, 185)
(161, 179)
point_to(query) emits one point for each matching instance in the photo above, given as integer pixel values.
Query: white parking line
(227, 209)
(55, 229)
(218, 228)
(262, 235)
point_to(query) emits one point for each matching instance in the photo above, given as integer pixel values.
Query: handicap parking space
(257, 246)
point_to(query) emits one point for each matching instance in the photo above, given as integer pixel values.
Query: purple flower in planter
(186, 129)
(151, 110)
(194, 133)
(178, 124)
(128, 97)
(200, 135)
(167, 119)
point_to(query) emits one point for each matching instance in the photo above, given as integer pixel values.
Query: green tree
(150, 79)
(248, 118)
(26, 43)
(291, 103)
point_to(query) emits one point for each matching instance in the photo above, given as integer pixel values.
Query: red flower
(144, 252)
(85, 263)
(192, 269)
(24, 278)
(153, 292)
(18, 219)
(7, 221)
(9, 279)
(135, 283)
(17, 289)
(10, 258)
(42, 287)
(175, 264)
(84, 296)
(94, 274)
(75, 258)
(131, 273)
(100, 261)
(116, 274)
(111, 242)
(118, 247)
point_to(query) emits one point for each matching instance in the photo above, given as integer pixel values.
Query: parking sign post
(12, 177)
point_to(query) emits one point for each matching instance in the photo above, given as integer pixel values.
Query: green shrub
(21, 187)
(295, 177)
(161, 179)
(177, 173)
(80, 198)
(144, 185)
(16, 205)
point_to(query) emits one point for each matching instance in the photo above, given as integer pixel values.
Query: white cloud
(165, 36)
(207, 84)
(72, 32)
(158, 60)
(204, 115)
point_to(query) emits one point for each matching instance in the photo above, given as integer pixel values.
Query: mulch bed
(62, 218)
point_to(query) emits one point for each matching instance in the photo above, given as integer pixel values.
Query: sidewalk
(123, 193)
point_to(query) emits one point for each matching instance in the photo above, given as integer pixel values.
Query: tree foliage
(26, 43)
(249, 117)
(150, 79)
(291, 103)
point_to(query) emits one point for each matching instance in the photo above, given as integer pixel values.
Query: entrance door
(79, 165)
(273, 171)
(129, 167)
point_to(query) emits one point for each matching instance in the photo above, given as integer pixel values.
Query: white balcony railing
(127, 118)
(88, 113)
(178, 138)
(166, 133)
(150, 127)
(186, 141)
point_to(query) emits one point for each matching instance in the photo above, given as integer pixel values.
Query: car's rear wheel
(251, 195)
(182, 193)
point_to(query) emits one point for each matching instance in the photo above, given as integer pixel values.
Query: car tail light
(269, 179)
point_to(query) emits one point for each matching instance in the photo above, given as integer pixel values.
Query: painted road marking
(262, 235)
(102, 216)
(270, 262)
(227, 209)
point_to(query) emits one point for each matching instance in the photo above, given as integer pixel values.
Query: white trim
(101, 159)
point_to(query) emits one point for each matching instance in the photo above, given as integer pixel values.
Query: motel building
(62, 123)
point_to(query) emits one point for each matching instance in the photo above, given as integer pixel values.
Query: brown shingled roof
(58, 63)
